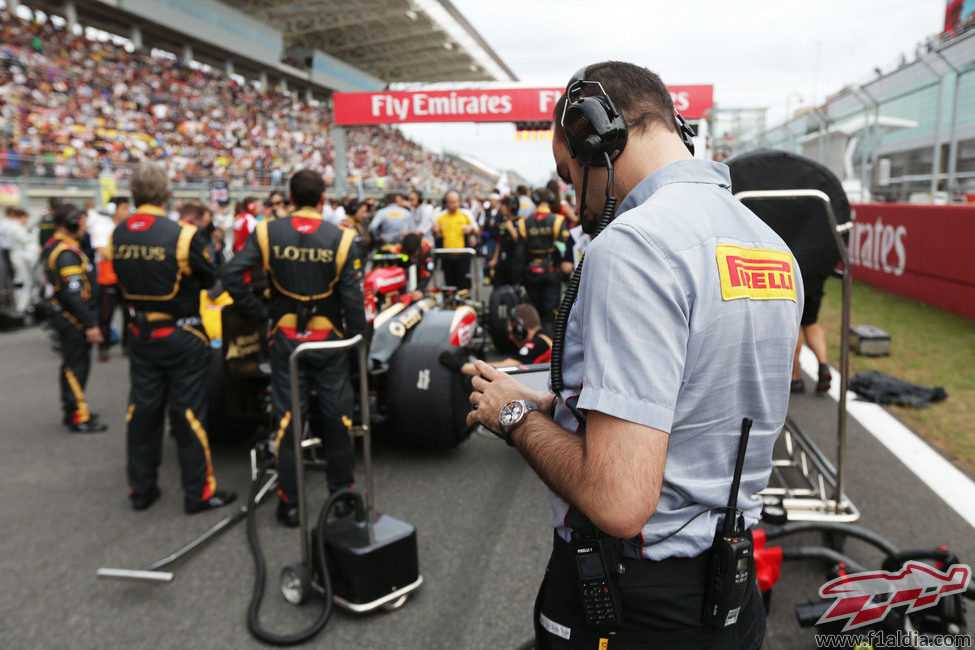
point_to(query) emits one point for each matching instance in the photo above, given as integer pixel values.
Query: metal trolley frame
(363, 430)
(804, 483)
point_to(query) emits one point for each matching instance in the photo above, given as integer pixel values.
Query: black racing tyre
(503, 301)
(426, 403)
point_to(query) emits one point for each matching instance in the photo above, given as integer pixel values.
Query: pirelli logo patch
(755, 273)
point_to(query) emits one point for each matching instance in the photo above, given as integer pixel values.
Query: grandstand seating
(74, 107)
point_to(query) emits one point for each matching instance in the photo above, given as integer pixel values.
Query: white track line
(954, 488)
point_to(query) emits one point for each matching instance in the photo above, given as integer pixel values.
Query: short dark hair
(528, 315)
(521, 190)
(638, 93)
(192, 211)
(306, 188)
(63, 211)
(274, 193)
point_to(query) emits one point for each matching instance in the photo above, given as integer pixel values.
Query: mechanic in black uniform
(162, 266)
(525, 331)
(70, 277)
(507, 261)
(540, 232)
(315, 279)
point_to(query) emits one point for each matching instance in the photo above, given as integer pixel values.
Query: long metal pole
(936, 155)
(952, 139)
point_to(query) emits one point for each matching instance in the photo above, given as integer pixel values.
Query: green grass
(929, 346)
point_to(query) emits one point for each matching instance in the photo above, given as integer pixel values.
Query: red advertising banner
(923, 252)
(481, 105)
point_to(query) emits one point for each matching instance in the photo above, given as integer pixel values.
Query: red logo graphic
(140, 223)
(759, 273)
(864, 598)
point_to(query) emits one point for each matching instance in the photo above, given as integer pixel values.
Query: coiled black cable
(572, 291)
(260, 568)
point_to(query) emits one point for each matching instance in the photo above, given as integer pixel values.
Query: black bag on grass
(877, 387)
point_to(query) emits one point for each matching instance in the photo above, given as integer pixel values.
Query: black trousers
(169, 370)
(661, 617)
(110, 299)
(328, 373)
(543, 293)
(455, 271)
(75, 364)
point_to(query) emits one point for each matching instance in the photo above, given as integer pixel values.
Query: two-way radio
(597, 562)
(731, 555)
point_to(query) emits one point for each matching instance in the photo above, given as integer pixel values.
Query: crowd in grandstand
(74, 107)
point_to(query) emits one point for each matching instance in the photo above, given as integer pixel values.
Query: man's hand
(93, 335)
(493, 389)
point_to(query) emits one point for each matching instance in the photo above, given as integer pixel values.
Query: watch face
(512, 412)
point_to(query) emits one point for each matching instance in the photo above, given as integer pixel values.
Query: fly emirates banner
(481, 105)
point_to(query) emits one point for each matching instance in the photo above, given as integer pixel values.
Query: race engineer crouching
(525, 331)
(665, 357)
(161, 267)
(315, 278)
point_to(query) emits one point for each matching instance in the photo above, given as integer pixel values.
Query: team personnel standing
(667, 351)
(526, 207)
(107, 280)
(389, 223)
(421, 215)
(315, 279)
(24, 252)
(162, 266)
(508, 259)
(70, 277)
(277, 204)
(542, 281)
(455, 226)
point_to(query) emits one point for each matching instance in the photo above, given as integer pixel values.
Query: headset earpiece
(72, 222)
(517, 328)
(592, 125)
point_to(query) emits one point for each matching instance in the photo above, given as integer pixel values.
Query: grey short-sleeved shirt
(390, 222)
(686, 321)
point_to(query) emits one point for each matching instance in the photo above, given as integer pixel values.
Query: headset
(511, 201)
(593, 125)
(517, 328)
(72, 221)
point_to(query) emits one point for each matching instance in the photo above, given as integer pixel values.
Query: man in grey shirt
(685, 322)
(392, 221)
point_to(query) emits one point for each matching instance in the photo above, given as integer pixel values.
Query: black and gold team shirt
(161, 265)
(69, 276)
(537, 350)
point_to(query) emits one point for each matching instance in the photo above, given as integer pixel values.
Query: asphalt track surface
(480, 513)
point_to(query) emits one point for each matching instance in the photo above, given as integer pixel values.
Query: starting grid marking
(944, 479)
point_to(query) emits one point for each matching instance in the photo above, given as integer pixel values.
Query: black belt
(642, 572)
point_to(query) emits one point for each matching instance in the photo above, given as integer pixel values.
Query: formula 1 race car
(414, 398)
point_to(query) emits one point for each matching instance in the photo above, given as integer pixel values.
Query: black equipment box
(363, 572)
(869, 341)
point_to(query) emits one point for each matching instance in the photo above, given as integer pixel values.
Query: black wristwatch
(511, 416)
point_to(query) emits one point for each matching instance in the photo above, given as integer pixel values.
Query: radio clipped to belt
(732, 564)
